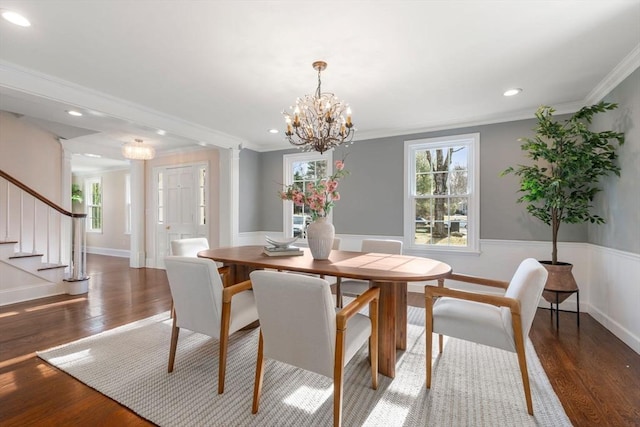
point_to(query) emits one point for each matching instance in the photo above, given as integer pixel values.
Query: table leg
(558, 311)
(578, 306)
(392, 324)
(401, 315)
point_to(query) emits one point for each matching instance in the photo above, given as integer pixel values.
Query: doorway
(181, 210)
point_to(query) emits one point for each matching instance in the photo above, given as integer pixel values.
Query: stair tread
(7, 242)
(51, 266)
(24, 255)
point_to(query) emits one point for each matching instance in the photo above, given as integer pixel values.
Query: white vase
(320, 234)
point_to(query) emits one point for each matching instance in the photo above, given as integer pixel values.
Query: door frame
(157, 261)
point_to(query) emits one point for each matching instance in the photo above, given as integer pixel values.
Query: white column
(229, 205)
(137, 253)
(66, 223)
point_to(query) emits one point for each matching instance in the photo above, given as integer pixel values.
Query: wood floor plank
(596, 376)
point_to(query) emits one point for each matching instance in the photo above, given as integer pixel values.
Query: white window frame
(287, 179)
(411, 147)
(88, 183)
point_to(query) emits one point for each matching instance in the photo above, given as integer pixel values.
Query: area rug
(472, 385)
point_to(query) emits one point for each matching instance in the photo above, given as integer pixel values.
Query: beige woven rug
(473, 385)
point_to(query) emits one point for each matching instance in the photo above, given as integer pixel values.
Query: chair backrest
(297, 319)
(189, 247)
(196, 289)
(382, 246)
(526, 286)
(336, 243)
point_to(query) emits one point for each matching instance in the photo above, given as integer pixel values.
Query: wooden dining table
(388, 272)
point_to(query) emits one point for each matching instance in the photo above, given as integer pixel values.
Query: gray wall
(250, 175)
(372, 201)
(372, 195)
(619, 202)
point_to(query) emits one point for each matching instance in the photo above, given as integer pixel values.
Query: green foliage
(568, 162)
(76, 193)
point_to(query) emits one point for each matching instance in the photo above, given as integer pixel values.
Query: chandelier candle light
(319, 122)
(138, 151)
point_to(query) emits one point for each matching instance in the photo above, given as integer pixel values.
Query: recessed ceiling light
(15, 18)
(161, 132)
(273, 130)
(95, 156)
(74, 113)
(512, 92)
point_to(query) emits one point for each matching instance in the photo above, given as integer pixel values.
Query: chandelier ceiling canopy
(319, 122)
(138, 150)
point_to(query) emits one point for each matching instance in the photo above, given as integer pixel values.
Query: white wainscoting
(614, 298)
(608, 279)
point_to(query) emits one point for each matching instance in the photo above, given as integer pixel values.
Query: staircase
(43, 250)
(24, 276)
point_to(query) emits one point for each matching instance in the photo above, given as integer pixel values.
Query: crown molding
(628, 65)
(34, 83)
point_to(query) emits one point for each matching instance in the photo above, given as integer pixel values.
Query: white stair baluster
(60, 239)
(34, 219)
(48, 250)
(6, 234)
(21, 220)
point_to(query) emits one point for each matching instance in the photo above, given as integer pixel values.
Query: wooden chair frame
(370, 297)
(432, 292)
(227, 296)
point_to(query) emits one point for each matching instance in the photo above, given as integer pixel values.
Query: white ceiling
(221, 72)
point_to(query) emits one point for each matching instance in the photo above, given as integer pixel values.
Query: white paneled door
(181, 206)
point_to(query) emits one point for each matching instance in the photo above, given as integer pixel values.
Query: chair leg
(257, 387)
(440, 340)
(373, 343)
(224, 343)
(522, 360)
(428, 304)
(338, 378)
(175, 331)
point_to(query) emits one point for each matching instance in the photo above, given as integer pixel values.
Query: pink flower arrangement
(318, 196)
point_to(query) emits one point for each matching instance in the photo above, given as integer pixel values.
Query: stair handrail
(39, 196)
(78, 247)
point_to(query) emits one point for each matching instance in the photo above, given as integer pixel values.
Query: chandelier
(138, 151)
(319, 122)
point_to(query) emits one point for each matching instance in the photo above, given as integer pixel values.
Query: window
(442, 193)
(93, 191)
(299, 169)
(202, 195)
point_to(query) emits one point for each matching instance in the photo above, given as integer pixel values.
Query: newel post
(78, 282)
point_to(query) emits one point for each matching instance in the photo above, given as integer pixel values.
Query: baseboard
(31, 292)
(120, 253)
(617, 329)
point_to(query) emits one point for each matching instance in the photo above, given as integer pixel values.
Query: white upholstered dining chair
(189, 247)
(501, 321)
(299, 326)
(354, 287)
(202, 305)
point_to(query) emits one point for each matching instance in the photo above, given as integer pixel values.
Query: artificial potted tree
(559, 186)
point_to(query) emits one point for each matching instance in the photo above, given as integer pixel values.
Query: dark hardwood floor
(596, 376)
